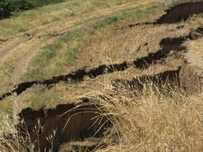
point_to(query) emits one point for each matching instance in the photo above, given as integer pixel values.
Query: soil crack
(167, 45)
(177, 13)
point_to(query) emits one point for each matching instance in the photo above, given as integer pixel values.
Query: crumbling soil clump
(190, 81)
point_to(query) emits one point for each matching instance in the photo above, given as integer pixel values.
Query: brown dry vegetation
(157, 123)
(142, 75)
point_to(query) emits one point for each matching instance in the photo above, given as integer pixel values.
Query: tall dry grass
(151, 119)
(10, 140)
(149, 122)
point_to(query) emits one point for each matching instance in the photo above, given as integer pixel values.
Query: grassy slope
(55, 59)
(19, 45)
(65, 46)
(159, 123)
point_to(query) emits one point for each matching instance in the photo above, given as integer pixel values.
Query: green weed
(71, 54)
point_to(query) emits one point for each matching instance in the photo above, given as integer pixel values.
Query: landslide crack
(167, 45)
(181, 12)
(161, 80)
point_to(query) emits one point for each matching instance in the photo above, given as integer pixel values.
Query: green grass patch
(55, 58)
(107, 21)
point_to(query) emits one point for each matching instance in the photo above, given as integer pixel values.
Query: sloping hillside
(131, 81)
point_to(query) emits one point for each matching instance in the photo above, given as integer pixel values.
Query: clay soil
(165, 49)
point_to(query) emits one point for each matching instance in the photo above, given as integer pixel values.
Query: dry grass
(10, 140)
(14, 143)
(155, 123)
(147, 121)
(144, 120)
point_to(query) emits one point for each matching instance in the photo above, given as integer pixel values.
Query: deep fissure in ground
(167, 44)
(66, 122)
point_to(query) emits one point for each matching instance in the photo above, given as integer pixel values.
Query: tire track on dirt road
(24, 61)
(7, 49)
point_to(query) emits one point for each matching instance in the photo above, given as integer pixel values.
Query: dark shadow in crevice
(49, 128)
(76, 76)
(162, 82)
(102, 69)
(167, 45)
(181, 12)
(177, 13)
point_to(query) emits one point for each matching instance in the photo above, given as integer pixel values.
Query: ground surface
(168, 47)
(19, 48)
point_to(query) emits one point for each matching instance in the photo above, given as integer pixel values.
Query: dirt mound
(191, 74)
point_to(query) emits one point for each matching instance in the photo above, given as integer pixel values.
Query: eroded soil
(167, 50)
